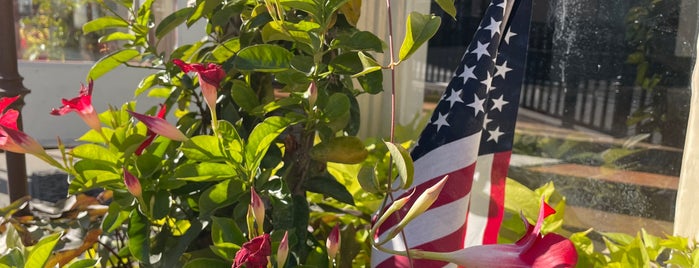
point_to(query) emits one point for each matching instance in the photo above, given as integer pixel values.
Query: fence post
(11, 85)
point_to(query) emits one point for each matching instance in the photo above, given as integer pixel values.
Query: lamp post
(11, 85)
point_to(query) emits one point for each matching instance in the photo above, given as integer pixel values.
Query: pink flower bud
(160, 126)
(283, 250)
(132, 183)
(258, 208)
(333, 242)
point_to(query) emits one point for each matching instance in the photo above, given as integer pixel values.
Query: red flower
(150, 135)
(132, 183)
(254, 253)
(333, 241)
(532, 250)
(160, 126)
(82, 105)
(8, 119)
(210, 77)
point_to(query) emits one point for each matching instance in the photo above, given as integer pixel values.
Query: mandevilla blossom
(333, 242)
(82, 105)
(283, 250)
(210, 77)
(532, 250)
(19, 142)
(258, 208)
(160, 126)
(150, 135)
(8, 119)
(132, 183)
(254, 253)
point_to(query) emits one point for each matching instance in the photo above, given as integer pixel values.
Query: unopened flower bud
(333, 242)
(132, 183)
(283, 250)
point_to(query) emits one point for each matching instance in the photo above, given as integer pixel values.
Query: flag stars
(477, 105)
(481, 49)
(493, 27)
(487, 81)
(501, 70)
(468, 73)
(441, 121)
(454, 97)
(495, 134)
(499, 103)
(486, 121)
(509, 35)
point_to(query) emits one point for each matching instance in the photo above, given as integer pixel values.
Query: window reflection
(604, 104)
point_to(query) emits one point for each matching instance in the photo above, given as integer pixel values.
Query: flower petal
(552, 250)
(7, 101)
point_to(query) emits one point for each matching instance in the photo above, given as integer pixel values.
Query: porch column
(10, 86)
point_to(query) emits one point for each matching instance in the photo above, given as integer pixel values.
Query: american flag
(469, 138)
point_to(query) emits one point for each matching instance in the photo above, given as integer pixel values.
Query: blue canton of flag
(469, 138)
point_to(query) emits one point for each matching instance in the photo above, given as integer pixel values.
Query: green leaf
(225, 230)
(173, 20)
(337, 111)
(159, 204)
(448, 7)
(310, 6)
(346, 63)
(114, 218)
(103, 23)
(328, 185)
(205, 171)
(521, 199)
(420, 28)
(262, 136)
(359, 41)
(244, 96)
(263, 58)
(404, 163)
(12, 258)
(86, 263)
(295, 32)
(367, 179)
(203, 8)
(619, 238)
(8, 211)
(345, 149)
(226, 50)
(90, 151)
(40, 253)
(372, 83)
(111, 61)
(202, 148)
(117, 36)
(222, 194)
(146, 83)
(139, 236)
(369, 65)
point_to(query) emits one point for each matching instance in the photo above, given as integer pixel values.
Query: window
(603, 108)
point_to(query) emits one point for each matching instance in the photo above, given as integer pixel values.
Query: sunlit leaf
(261, 137)
(263, 58)
(139, 236)
(222, 194)
(404, 163)
(39, 254)
(345, 149)
(173, 20)
(420, 28)
(103, 23)
(448, 7)
(111, 61)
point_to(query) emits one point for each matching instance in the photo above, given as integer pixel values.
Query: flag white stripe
(431, 225)
(480, 201)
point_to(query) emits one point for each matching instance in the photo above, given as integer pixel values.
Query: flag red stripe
(457, 186)
(501, 162)
(451, 242)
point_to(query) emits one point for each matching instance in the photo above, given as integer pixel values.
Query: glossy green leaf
(367, 179)
(226, 50)
(12, 258)
(172, 257)
(244, 96)
(146, 83)
(310, 6)
(139, 236)
(420, 28)
(225, 230)
(369, 65)
(115, 217)
(202, 148)
(222, 194)
(159, 204)
(521, 199)
(345, 149)
(263, 58)
(117, 36)
(295, 32)
(40, 253)
(329, 186)
(173, 20)
(262, 136)
(372, 83)
(202, 8)
(94, 152)
(205, 171)
(86, 263)
(103, 23)
(346, 63)
(448, 7)
(111, 61)
(404, 163)
(337, 111)
(359, 41)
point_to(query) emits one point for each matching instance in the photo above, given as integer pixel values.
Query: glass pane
(52, 30)
(604, 105)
